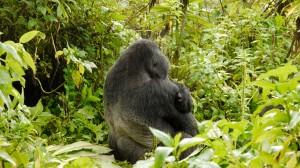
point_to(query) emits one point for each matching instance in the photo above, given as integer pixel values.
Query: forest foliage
(240, 59)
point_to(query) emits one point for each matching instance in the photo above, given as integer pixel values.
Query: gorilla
(139, 95)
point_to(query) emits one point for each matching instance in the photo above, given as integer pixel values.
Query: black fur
(139, 95)
(183, 100)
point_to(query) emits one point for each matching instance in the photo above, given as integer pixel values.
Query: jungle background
(239, 58)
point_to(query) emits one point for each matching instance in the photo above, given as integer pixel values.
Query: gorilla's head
(144, 55)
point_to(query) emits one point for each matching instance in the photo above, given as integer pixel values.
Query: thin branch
(57, 65)
(53, 44)
(223, 10)
(291, 48)
(43, 90)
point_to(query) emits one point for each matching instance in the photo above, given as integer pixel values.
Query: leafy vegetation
(240, 60)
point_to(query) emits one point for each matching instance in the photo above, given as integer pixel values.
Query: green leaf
(107, 162)
(206, 154)
(256, 162)
(163, 137)
(268, 133)
(144, 163)
(290, 85)
(42, 9)
(81, 69)
(77, 78)
(22, 158)
(292, 163)
(203, 164)
(161, 153)
(92, 98)
(295, 119)
(273, 102)
(264, 84)
(161, 8)
(59, 10)
(89, 65)
(15, 68)
(267, 86)
(5, 156)
(187, 143)
(58, 53)
(78, 146)
(237, 127)
(29, 61)
(30, 35)
(37, 109)
(4, 76)
(84, 92)
(279, 21)
(220, 148)
(5, 99)
(32, 23)
(177, 139)
(12, 51)
(282, 72)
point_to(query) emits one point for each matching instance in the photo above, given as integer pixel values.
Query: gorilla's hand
(183, 100)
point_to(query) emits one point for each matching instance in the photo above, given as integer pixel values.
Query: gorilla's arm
(153, 105)
(183, 122)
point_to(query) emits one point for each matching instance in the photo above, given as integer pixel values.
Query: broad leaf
(187, 143)
(282, 72)
(30, 35)
(161, 153)
(77, 78)
(4, 76)
(163, 137)
(144, 163)
(58, 54)
(295, 119)
(29, 61)
(11, 50)
(5, 156)
(79, 146)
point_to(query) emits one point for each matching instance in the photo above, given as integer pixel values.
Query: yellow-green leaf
(187, 143)
(292, 162)
(5, 156)
(4, 76)
(29, 61)
(15, 67)
(58, 53)
(30, 35)
(79, 146)
(163, 137)
(10, 50)
(161, 153)
(81, 69)
(77, 78)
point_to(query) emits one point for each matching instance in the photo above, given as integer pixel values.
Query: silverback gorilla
(139, 95)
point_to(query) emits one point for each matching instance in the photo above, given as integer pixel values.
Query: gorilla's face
(157, 65)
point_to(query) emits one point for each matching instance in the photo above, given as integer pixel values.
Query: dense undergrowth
(240, 60)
